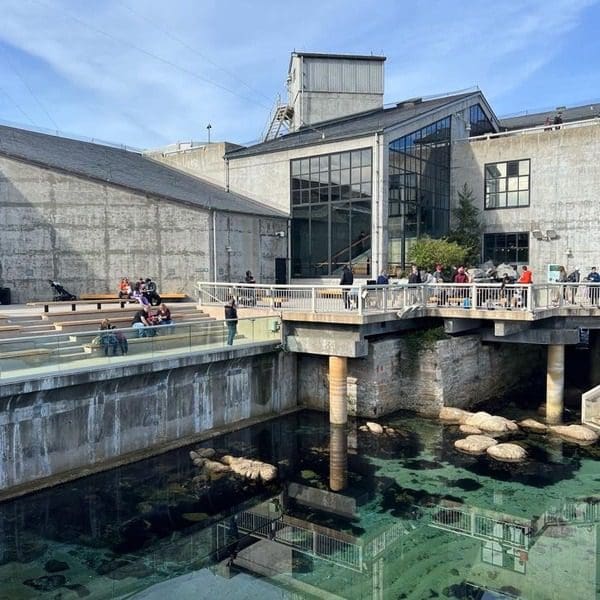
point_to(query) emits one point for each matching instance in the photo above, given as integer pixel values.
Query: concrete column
(555, 383)
(338, 394)
(338, 457)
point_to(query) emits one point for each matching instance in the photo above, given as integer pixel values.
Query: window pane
(335, 161)
(365, 158)
(513, 184)
(345, 160)
(512, 199)
(523, 183)
(523, 167)
(324, 163)
(295, 167)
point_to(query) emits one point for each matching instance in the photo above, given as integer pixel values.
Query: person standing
(346, 279)
(574, 277)
(231, 318)
(382, 278)
(461, 276)
(594, 279)
(526, 278)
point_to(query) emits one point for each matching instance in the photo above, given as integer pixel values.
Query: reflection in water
(395, 518)
(338, 457)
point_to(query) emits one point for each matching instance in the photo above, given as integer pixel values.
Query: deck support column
(338, 457)
(338, 393)
(555, 383)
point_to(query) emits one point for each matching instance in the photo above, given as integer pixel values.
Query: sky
(147, 73)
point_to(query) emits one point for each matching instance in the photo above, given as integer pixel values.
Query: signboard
(553, 271)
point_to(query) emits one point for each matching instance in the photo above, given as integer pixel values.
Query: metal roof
(361, 124)
(123, 168)
(576, 113)
(339, 56)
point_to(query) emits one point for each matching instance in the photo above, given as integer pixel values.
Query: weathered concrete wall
(564, 183)
(397, 375)
(205, 161)
(53, 429)
(88, 234)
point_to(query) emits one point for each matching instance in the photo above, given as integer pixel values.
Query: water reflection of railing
(307, 540)
(470, 521)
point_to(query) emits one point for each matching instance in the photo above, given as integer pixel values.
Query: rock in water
(47, 583)
(374, 427)
(470, 429)
(490, 423)
(250, 469)
(475, 444)
(453, 415)
(577, 433)
(212, 466)
(533, 425)
(55, 566)
(507, 452)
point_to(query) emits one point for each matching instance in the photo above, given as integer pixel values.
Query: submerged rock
(576, 433)
(533, 425)
(469, 429)
(491, 423)
(453, 415)
(507, 452)
(475, 444)
(374, 427)
(251, 469)
(47, 583)
(55, 566)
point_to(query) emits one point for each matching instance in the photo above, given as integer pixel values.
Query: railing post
(386, 291)
(529, 297)
(360, 299)
(313, 299)
(474, 296)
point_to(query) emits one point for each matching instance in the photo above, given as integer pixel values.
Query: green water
(415, 520)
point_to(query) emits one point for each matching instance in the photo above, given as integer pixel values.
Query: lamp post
(208, 128)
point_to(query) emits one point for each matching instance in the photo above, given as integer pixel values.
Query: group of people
(569, 292)
(143, 291)
(144, 322)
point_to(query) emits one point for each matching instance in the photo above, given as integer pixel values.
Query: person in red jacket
(526, 278)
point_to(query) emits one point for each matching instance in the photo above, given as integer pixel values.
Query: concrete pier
(338, 458)
(555, 383)
(338, 393)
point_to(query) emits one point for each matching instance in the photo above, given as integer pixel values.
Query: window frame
(505, 179)
(506, 247)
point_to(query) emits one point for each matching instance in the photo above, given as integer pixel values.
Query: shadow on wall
(87, 235)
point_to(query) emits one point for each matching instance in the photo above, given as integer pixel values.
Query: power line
(16, 71)
(192, 49)
(18, 106)
(150, 54)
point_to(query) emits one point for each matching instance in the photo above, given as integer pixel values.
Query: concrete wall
(88, 234)
(564, 184)
(396, 375)
(205, 161)
(85, 421)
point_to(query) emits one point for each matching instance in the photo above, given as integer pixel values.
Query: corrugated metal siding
(335, 75)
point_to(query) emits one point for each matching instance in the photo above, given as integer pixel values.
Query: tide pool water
(351, 515)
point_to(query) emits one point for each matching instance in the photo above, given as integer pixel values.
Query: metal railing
(52, 354)
(365, 299)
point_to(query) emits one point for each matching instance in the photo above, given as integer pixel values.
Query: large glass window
(331, 213)
(480, 124)
(508, 248)
(507, 184)
(419, 188)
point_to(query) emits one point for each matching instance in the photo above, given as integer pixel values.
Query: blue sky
(147, 73)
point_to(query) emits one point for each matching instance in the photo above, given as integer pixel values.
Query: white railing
(393, 297)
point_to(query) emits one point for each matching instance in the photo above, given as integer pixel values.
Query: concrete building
(87, 214)
(362, 181)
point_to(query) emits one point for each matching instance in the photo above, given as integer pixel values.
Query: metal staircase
(279, 122)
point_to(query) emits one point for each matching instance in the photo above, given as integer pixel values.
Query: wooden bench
(274, 301)
(106, 313)
(166, 297)
(330, 293)
(123, 321)
(8, 331)
(33, 355)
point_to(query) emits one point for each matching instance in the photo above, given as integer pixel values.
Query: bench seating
(166, 297)
(330, 293)
(274, 301)
(9, 331)
(105, 313)
(123, 321)
(31, 355)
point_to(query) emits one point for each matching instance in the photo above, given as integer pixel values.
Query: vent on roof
(409, 103)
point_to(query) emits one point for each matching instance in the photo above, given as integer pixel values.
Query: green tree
(467, 226)
(427, 252)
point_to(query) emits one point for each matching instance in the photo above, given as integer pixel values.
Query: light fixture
(551, 234)
(280, 234)
(537, 234)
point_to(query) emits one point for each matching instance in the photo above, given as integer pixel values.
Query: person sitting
(108, 340)
(249, 278)
(461, 276)
(163, 316)
(140, 322)
(150, 292)
(124, 288)
(382, 278)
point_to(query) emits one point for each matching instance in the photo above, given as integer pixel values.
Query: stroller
(60, 294)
